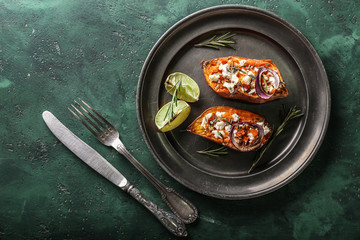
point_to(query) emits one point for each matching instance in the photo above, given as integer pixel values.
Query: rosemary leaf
(264, 65)
(226, 41)
(293, 113)
(214, 152)
(174, 101)
(216, 42)
(227, 35)
(212, 46)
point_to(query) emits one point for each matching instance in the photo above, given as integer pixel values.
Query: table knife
(102, 166)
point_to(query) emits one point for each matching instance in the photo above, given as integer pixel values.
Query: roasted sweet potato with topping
(238, 129)
(249, 80)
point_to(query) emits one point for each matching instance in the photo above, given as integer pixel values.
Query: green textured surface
(54, 51)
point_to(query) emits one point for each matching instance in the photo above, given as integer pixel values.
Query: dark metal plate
(261, 35)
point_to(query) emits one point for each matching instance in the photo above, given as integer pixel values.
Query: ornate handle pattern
(182, 207)
(169, 220)
(179, 205)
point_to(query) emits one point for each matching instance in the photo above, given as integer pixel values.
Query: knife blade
(84, 151)
(102, 166)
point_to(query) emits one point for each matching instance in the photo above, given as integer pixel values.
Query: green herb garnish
(214, 152)
(170, 111)
(293, 113)
(233, 68)
(238, 88)
(217, 42)
(265, 83)
(264, 65)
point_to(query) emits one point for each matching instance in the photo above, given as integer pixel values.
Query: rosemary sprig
(264, 65)
(217, 42)
(214, 152)
(170, 111)
(293, 113)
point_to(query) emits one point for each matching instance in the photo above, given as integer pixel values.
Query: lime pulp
(163, 119)
(187, 90)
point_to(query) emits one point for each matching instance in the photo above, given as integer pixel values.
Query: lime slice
(187, 90)
(180, 112)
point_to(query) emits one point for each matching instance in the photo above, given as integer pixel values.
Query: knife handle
(169, 220)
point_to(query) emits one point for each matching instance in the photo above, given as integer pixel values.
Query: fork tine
(88, 119)
(93, 117)
(83, 122)
(98, 114)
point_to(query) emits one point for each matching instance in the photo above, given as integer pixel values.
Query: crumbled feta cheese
(225, 70)
(250, 73)
(270, 88)
(256, 69)
(219, 114)
(246, 80)
(215, 77)
(272, 80)
(230, 86)
(218, 134)
(235, 117)
(242, 62)
(226, 73)
(251, 91)
(220, 125)
(266, 129)
(223, 67)
(228, 128)
(205, 120)
(208, 116)
(251, 137)
(203, 123)
(234, 79)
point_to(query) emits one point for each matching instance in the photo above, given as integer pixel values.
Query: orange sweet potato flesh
(212, 66)
(228, 112)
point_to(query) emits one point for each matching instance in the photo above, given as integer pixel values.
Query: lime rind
(181, 112)
(189, 90)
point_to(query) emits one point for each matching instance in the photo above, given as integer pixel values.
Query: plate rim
(299, 34)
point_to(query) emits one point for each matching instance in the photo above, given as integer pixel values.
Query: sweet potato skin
(244, 116)
(212, 66)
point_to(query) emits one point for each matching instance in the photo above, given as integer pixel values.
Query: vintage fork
(107, 134)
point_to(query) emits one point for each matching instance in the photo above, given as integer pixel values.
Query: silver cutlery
(107, 134)
(102, 166)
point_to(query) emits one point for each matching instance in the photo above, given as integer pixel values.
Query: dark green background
(54, 51)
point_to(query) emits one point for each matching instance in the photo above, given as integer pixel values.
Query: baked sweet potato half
(249, 80)
(238, 129)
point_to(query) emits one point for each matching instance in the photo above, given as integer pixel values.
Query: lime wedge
(187, 89)
(180, 112)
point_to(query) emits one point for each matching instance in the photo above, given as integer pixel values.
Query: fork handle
(182, 207)
(169, 220)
